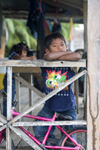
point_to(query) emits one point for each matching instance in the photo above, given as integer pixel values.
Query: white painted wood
(3, 119)
(77, 91)
(9, 101)
(9, 92)
(3, 127)
(17, 84)
(30, 92)
(42, 63)
(42, 123)
(93, 74)
(8, 139)
(85, 24)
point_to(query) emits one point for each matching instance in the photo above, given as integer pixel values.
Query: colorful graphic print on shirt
(55, 79)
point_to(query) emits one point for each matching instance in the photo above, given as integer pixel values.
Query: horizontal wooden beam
(29, 69)
(47, 123)
(78, 5)
(42, 63)
(63, 6)
(63, 16)
(48, 15)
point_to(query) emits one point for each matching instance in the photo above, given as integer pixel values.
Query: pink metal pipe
(48, 131)
(62, 148)
(32, 116)
(30, 135)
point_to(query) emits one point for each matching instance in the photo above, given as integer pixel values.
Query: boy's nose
(60, 47)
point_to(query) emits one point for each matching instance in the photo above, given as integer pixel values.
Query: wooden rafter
(76, 4)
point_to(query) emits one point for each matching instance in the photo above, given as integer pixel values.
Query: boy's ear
(47, 50)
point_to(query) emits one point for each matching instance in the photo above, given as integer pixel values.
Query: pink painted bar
(32, 116)
(48, 131)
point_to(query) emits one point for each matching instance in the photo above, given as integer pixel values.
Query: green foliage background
(18, 32)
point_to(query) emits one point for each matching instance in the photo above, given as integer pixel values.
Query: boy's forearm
(71, 57)
(54, 55)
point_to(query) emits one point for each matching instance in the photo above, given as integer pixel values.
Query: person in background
(53, 77)
(18, 51)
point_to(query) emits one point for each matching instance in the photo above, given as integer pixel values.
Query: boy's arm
(55, 55)
(72, 56)
(23, 58)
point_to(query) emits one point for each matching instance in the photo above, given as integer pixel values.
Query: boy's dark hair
(48, 39)
(19, 47)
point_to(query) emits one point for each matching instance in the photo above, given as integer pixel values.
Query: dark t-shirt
(53, 78)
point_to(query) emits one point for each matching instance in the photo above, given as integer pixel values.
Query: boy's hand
(33, 57)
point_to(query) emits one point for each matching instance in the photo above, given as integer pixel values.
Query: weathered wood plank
(42, 123)
(9, 92)
(26, 69)
(85, 24)
(8, 139)
(30, 91)
(3, 127)
(17, 84)
(93, 74)
(42, 63)
(3, 119)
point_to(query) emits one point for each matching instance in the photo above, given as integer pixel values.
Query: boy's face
(24, 53)
(56, 46)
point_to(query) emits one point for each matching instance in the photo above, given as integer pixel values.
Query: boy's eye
(62, 44)
(54, 45)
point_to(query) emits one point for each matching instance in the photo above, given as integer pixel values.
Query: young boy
(53, 77)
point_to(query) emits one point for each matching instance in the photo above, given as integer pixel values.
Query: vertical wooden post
(8, 139)
(9, 100)
(85, 24)
(93, 73)
(30, 91)
(77, 91)
(17, 83)
(85, 49)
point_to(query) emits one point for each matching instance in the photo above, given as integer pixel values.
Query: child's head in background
(54, 42)
(20, 48)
